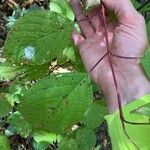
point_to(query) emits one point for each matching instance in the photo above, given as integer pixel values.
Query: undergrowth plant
(37, 102)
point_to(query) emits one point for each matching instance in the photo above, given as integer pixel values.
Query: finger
(77, 38)
(83, 21)
(95, 19)
(124, 9)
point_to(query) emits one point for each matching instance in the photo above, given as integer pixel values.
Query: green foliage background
(48, 105)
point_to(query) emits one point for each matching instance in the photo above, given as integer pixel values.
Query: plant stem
(115, 79)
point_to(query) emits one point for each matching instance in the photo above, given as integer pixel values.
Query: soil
(17, 142)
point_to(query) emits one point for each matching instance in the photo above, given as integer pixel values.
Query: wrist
(132, 84)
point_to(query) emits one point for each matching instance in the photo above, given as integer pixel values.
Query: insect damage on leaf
(29, 52)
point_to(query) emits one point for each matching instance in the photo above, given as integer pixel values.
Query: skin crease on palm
(127, 37)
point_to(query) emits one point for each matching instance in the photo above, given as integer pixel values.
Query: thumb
(77, 38)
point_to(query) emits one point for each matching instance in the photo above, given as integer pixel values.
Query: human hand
(127, 40)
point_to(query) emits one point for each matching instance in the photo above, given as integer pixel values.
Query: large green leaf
(4, 143)
(146, 62)
(58, 102)
(38, 37)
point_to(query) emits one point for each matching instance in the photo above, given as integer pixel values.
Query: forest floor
(16, 141)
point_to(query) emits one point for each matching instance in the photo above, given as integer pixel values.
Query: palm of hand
(127, 41)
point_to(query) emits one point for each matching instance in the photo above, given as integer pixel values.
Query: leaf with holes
(39, 33)
(58, 102)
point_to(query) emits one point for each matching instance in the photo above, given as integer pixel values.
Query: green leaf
(21, 126)
(62, 7)
(58, 102)
(5, 106)
(4, 143)
(144, 110)
(95, 115)
(38, 34)
(146, 62)
(86, 139)
(68, 144)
